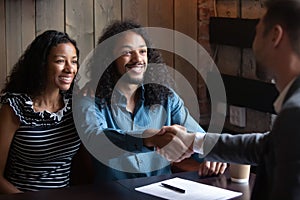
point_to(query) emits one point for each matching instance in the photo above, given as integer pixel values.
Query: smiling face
(131, 50)
(62, 66)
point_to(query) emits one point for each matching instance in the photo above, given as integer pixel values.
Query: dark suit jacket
(276, 154)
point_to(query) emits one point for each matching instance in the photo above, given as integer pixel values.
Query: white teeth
(65, 78)
(137, 69)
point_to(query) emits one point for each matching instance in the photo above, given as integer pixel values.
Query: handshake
(176, 144)
(172, 142)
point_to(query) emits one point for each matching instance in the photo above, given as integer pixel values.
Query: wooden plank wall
(84, 20)
(49, 15)
(241, 62)
(22, 20)
(3, 69)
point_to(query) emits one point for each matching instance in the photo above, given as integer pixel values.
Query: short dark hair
(29, 73)
(287, 14)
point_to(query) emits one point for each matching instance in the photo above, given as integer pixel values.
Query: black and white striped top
(43, 147)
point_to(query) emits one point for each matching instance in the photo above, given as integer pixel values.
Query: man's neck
(283, 80)
(286, 69)
(129, 91)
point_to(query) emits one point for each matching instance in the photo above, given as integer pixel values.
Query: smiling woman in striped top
(37, 134)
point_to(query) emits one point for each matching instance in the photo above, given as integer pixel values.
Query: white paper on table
(193, 190)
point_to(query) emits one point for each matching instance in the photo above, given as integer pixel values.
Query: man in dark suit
(277, 153)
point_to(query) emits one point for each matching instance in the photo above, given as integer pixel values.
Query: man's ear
(277, 35)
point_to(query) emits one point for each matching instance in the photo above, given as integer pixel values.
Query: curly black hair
(157, 78)
(29, 73)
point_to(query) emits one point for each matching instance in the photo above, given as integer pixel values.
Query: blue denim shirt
(113, 135)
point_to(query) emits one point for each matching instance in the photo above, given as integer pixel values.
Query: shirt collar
(279, 101)
(119, 98)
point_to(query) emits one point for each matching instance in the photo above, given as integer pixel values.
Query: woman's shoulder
(20, 103)
(22, 106)
(15, 99)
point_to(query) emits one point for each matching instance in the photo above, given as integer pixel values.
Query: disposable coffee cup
(239, 173)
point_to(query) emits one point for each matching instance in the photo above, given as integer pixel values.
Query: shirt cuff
(198, 142)
(134, 141)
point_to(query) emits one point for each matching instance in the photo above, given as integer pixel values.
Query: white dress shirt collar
(279, 101)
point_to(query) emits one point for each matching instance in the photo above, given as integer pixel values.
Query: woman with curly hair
(38, 138)
(133, 100)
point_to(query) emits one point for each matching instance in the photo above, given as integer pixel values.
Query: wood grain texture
(80, 24)
(50, 15)
(228, 8)
(28, 23)
(3, 70)
(136, 10)
(160, 14)
(252, 9)
(106, 11)
(13, 32)
(185, 22)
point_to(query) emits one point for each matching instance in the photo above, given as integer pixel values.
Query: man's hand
(211, 168)
(167, 143)
(175, 151)
(153, 138)
(180, 143)
(181, 133)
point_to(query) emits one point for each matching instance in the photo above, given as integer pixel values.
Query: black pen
(173, 188)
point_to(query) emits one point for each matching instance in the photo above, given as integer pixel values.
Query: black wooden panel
(257, 95)
(238, 32)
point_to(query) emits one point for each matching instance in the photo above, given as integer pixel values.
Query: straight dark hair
(287, 14)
